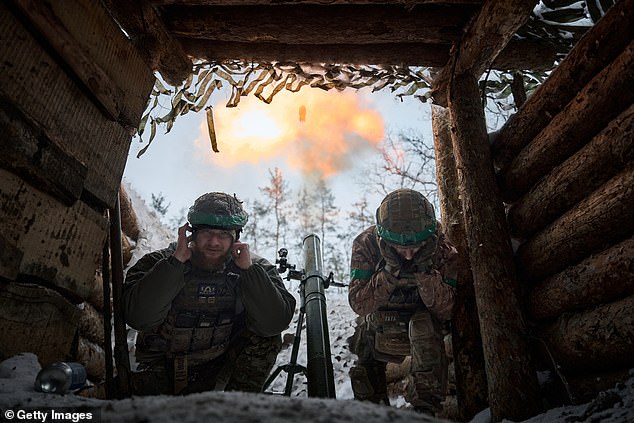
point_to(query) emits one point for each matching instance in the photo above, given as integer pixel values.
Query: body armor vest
(204, 317)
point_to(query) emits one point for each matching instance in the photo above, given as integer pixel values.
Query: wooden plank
(601, 278)
(471, 382)
(34, 82)
(26, 151)
(607, 95)
(411, 54)
(108, 95)
(47, 317)
(316, 24)
(409, 3)
(597, 339)
(518, 54)
(61, 245)
(599, 221)
(160, 50)
(605, 156)
(596, 49)
(485, 38)
(502, 324)
(91, 24)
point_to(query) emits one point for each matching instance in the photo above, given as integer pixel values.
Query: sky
(18, 373)
(338, 134)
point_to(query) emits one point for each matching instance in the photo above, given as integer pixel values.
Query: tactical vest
(388, 327)
(204, 317)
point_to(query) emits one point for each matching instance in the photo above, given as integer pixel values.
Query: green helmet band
(200, 218)
(408, 238)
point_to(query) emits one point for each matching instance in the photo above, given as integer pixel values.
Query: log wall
(569, 191)
(72, 89)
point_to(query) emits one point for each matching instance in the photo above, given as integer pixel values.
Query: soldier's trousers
(427, 380)
(244, 367)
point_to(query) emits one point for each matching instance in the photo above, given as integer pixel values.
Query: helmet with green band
(219, 210)
(405, 218)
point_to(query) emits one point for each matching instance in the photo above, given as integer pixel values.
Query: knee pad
(361, 385)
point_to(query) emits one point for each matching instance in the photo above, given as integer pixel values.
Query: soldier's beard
(209, 259)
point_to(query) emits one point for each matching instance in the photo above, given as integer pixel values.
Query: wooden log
(485, 37)
(317, 24)
(49, 319)
(605, 97)
(299, 2)
(598, 279)
(91, 323)
(594, 51)
(26, 151)
(605, 156)
(61, 245)
(412, 54)
(161, 51)
(599, 221)
(129, 220)
(521, 54)
(35, 83)
(597, 339)
(93, 358)
(502, 325)
(471, 383)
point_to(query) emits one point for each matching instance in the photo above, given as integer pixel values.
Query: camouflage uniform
(204, 330)
(403, 306)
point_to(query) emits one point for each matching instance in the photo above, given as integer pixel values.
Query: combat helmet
(217, 210)
(405, 218)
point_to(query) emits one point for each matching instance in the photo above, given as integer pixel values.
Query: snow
(18, 373)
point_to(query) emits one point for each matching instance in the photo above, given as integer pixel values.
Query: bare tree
(277, 194)
(255, 228)
(408, 161)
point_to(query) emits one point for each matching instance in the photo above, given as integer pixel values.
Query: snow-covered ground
(17, 376)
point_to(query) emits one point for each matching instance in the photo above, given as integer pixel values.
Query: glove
(424, 261)
(390, 256)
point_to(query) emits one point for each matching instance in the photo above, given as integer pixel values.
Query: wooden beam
(314, 24)
(503, 328)
(161, 50)
(605, 156)
(518, 55)
(600, 220)
(603, 99)
(601, 278)
(484, 39)
(27, 151)
(107, 94)
(471, 382)
(408, 3)
(598, 48)
(412, 54)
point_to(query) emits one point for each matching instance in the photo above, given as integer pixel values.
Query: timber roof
(448, 35)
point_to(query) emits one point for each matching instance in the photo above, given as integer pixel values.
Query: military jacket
(178, 308)
(373, 288)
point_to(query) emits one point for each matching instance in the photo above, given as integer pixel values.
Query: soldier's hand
(183, 252)
(241, 255)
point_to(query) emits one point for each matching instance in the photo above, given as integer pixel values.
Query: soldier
(209, 312)
(402, 287)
